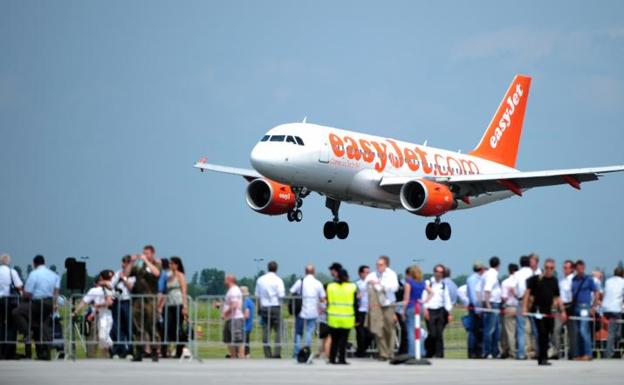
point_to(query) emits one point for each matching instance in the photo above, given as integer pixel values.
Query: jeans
(491, 331)
(410, 325)
(271, 318)
(584, 333)
(614, 333)
(520, 324)
(122, 328)
(475, 334)
(306, 329)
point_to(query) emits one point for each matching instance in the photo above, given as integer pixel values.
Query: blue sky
(105, 106)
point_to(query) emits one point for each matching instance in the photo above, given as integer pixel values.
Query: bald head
(309, 269)
(5, 260)
(230, 280)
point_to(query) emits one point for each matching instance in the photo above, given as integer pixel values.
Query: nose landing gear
(335, 228)
(296, 215)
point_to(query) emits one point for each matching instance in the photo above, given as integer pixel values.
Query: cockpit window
(290, 139)
(299, 140)
(265, 138)
(277, 138)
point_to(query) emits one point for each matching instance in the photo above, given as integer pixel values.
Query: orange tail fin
(502, 138)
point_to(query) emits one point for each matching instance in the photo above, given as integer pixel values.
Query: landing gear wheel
(329, 230)
(342, 230)
(299, 202)
(298, 215)
(290, 216)
(444, 231)
(431, 231)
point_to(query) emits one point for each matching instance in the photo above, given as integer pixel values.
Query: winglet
(501, 140)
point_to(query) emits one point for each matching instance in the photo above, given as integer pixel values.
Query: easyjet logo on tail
(505, 121)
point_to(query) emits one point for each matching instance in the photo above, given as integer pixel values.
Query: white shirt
(521, 277)
(440, 297)
(362, 295)
(492, 285)
(462, 295)
(118, 284)
(565, 288)
(6, 273)
(97, 296)
(613, 295)
(233, 303)
(507, 295)
(386, 282)
(270, 289)
(311, 295)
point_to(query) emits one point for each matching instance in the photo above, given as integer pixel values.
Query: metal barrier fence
(147, 321)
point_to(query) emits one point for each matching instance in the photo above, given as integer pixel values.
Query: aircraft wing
(248, 174)
(517, 182)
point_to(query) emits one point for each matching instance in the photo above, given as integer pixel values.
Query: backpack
(304, 355)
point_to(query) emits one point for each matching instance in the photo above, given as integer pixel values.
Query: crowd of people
(142, 310)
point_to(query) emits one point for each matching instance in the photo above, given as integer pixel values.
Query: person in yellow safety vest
(341, 308)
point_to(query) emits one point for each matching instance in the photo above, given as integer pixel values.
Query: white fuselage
(348, 166)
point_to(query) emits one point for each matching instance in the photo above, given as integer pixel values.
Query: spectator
(10, 288)
(270, 291)
(341, 308)
(160, 298)
(100, 298)
(450, 284)
(122, 316)
(146, 272)
(437, 313)
(565, 290)
(382, 286)
(492, 304)
(543, 290)
(324, 336)
(363, 335)
(583, 290)
(510, 303)
(40, 292)
(249, 308)
(474, 285)
(523, 325)
(462, 296)
(415, 291)
(612, 307)
(334, 270)
(232, 313)
(176, 307)
(312, 294)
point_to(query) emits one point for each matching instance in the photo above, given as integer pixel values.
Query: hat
(478, 266)
(244, 290)
(335, 266)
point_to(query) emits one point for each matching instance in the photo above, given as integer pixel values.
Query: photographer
(122, 315)
(100, 298)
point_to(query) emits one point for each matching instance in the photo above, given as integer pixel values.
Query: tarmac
(276, 372)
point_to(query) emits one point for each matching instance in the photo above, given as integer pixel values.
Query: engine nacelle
(427, 198)
(268, 197)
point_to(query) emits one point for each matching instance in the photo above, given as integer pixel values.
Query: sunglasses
(549, 268)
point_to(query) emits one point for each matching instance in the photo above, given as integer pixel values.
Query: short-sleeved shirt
(269, 290)
(233, 303)
(42, 282)
(249, 305)
(312, 293)
(492, 285)
(97, 296)
(6, 276)
(582, 290)
(544, 291)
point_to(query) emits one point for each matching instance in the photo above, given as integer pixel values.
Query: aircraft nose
(260, 158)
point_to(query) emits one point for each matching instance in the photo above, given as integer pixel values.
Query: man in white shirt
(363, 335)
(523, 326)
(612, 304)
(492, 305)
(312, 294)
(510, 303)
(232, 313)
(565, 293)
(122, 316)
(269, 292)
(383, 284)
(437, 312)
(10, 288)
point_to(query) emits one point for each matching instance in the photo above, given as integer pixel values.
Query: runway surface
(274, 372)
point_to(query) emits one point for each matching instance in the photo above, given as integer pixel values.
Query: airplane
(292, 160)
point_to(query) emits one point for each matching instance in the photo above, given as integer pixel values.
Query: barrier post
(418, 360)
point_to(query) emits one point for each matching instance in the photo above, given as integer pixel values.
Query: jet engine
(268, 197)
(426, 198)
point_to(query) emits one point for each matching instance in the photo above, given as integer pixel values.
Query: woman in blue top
(249, 308)
(414, 289)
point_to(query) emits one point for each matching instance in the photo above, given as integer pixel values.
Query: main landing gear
(438, 229)
(335, 228)
(296, 215)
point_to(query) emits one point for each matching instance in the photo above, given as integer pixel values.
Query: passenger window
(265, 138)
(290, 139)
(299, 140)
(277, 138)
